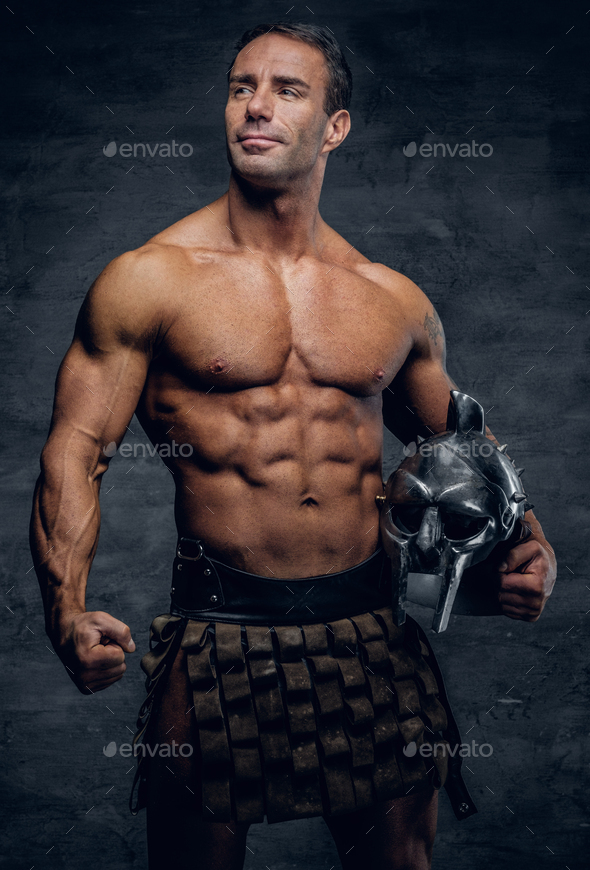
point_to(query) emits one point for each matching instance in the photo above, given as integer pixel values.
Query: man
(253, 332)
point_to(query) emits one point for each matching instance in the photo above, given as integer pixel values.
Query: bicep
(95, 397)
(103, 373)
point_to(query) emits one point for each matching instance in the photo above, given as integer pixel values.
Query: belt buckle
(180, 555)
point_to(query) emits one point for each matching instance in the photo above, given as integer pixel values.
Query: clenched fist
(92, 646)
(527, 577)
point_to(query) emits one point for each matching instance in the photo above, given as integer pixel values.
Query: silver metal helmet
(448, 505)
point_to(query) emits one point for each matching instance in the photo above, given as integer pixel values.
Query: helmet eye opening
(462, 527)
(407, 517)
(456, 526)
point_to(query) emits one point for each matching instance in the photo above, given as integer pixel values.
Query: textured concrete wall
(498, 243)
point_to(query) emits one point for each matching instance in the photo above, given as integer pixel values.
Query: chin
(259, 170)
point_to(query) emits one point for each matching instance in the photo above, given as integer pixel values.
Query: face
(275, 123)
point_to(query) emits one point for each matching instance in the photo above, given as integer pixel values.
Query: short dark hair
(339, 89)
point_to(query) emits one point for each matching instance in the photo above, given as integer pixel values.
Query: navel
(218, 365)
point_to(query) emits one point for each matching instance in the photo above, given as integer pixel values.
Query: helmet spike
(520, 471)
(518, 497)
(502, 449)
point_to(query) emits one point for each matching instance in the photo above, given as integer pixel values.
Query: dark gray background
(511, 298)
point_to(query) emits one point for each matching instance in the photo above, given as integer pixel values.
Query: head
(287, 107)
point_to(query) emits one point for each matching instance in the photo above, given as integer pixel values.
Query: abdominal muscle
(282, 479)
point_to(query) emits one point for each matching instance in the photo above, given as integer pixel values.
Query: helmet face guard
(447, 506)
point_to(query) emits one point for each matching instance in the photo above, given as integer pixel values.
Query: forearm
(64, 535)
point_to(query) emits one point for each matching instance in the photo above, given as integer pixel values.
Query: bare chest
(234, 329)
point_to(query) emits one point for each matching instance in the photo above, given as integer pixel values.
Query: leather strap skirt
(307, 699)
(307, 719)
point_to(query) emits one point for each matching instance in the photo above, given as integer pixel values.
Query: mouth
(257, 139)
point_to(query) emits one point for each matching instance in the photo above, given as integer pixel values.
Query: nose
(430, 532)
(259, 105)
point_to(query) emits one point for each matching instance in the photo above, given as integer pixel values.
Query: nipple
(218, 365)
(379, 374)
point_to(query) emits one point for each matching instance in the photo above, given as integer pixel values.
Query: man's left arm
(416, 403)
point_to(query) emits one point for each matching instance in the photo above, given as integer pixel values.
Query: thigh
(394, 835)
(178, 833)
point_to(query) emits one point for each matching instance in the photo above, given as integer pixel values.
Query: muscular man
(255, 333)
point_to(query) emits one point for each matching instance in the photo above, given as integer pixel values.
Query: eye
(461, 527)
(289, 91)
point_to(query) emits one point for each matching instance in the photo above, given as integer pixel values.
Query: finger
(530, 583)
(96, 674)
(527, 585)
(114, 630)
(517, 601)
(519, 556)
(102, 657)
(525, 605)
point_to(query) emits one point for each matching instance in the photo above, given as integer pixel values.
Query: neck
(284, 223)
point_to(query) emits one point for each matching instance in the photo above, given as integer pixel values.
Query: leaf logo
(410, 449)
(110, 750)
(111, 149)
(409, 150)
(411, 749)
(110, 449)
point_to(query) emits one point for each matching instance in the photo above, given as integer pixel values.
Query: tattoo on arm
(433, 326)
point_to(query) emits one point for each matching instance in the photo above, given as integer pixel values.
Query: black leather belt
(203, 588)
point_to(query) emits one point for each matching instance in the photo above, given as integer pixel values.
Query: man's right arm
(98, 387)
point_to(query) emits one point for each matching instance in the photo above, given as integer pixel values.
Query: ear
(338, 130)
(465, 415)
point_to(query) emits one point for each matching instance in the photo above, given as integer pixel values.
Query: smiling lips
(258, 139)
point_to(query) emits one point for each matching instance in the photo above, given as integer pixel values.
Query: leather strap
(461, 801)
(204, 588)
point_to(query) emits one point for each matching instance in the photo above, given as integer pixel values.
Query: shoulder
(405, 291)
(133, 297)
(148, 270)
(418, 311)
(124, 301)
(414, 303)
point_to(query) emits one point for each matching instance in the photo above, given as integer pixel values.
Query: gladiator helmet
(448, 505)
